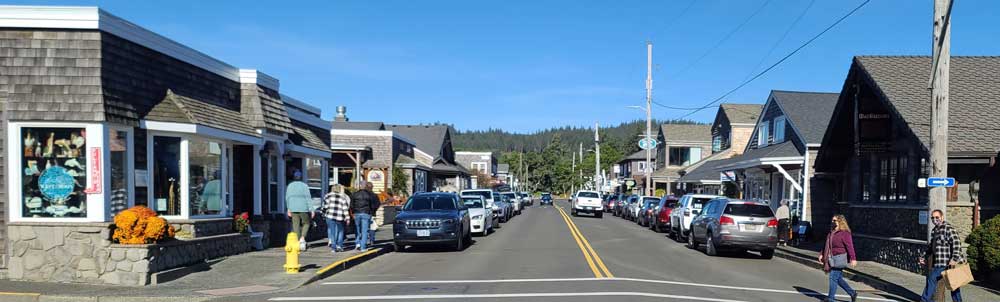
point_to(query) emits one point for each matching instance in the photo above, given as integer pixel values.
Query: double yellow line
(593, 260)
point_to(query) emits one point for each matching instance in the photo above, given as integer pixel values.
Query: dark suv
(432, 218)
(546, 199)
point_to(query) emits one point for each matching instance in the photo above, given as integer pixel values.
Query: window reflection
(205, 177)
(166, 175)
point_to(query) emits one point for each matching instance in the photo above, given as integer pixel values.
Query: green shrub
(984, 247)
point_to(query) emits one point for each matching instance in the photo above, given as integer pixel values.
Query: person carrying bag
(838, 254)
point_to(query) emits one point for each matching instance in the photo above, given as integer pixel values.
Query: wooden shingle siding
(136, 78)
(263, 108)
(51, 75)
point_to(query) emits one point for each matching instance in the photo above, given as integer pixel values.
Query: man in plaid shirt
(336, 209)
(944, 251)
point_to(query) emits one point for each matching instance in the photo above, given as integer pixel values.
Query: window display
(166, 175)
(55, 169)
(205, 178)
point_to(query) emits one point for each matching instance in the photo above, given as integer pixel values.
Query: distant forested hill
(625, 134)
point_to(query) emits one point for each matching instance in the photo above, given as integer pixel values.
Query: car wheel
(460, 243)
(767, 254)
(600, 215)
(573, 212)
(397, 247)
(710, 245)
(656, 228)
(692, 243)
(468, 239)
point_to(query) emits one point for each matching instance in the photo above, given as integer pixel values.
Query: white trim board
(253, 76)
(201, 130)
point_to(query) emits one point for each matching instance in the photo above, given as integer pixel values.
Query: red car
(661, 223)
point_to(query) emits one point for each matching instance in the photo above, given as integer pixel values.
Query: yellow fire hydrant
(292, 254)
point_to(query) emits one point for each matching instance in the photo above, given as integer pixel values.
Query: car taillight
(724, 220)
(773, 223)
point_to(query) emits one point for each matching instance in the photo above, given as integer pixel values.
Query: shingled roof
(808, 112)
(180, 109)
(687, 132)
(706, 170)
(741, 113)
(429, 139)
(263, 109)
(309, 136)
(974, 108)
(341, 125)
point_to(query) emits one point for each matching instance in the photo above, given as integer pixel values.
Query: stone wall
(84, 253)
(887, 222)
(899, 254)
(205, 227)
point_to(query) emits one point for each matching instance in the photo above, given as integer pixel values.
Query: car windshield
(651, 203)
(651, 199)
(670, 203)
(508, 196)
(426, 203)
(588, 195)
(748, 209)
(546, 196)
(697, 202)
(484, 194)
(472, 202)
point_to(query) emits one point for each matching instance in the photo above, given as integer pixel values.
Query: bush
(140, 225)
(984, 247)
(660, 192)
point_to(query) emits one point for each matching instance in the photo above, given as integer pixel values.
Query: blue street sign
(647, 143)
(941, 182)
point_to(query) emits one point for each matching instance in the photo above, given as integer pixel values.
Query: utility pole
(581, 165)
(572, 185)
(597, 157)
(940, 62)
(649, 115)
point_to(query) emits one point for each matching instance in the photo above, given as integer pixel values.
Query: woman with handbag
(837, 254)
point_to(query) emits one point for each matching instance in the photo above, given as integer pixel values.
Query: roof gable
(808, 113)
(180, 109)
(974, 95)
(430, 139)
(686, 133)
(741, 113)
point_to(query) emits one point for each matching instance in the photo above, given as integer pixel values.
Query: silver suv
(735, 225)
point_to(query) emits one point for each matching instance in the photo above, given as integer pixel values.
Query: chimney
(341, 114)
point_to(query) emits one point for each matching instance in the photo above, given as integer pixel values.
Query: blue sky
(528, 65)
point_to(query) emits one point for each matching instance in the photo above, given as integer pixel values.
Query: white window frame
(129, 166)
(96, 203)
(185, 163)
(762, 133)
(779, 129)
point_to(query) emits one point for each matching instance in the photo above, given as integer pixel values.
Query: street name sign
(932, 182)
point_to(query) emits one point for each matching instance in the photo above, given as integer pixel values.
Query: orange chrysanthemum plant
(140, 225)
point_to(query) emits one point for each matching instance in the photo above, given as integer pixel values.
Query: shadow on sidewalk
(810, 293)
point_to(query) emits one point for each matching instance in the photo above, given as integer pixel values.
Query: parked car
(515, 202)
(635, 207)
(688, 207)
(661, 217)
(546, 199)
(608, 201)
(490, 204)
(622, 204)
(432, 218)
(587, 202)
(729, 224)
(626, 208)
(645, 213)
(528, 200)
(481, 217)
(503, 207)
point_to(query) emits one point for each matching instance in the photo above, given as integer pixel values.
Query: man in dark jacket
(364, 202)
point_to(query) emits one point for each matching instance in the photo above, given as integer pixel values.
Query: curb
(849, 273)
(347, 263)
(34, 297)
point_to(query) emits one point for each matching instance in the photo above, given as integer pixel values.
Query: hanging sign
(647, 144)
(94, 177)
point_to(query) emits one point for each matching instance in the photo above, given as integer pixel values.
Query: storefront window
(55, 168)
(166, 175)
(118, 141)
(272, 183)
(205, 178)
(314, 177)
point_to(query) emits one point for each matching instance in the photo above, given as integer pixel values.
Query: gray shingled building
(100, 114)
(876, 148)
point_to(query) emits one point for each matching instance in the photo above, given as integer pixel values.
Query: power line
(789, 55)
(782, 39)
(723, 40)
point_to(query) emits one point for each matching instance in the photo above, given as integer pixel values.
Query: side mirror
(398, 208)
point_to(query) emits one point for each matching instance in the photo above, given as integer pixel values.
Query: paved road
(537, 257)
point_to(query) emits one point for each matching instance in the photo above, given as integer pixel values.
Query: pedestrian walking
(336, 210)
(298, 201)
(364, 203)
(837, 254)
(943, 252)
(782, 214)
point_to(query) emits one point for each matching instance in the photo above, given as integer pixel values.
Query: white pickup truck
(588, 202)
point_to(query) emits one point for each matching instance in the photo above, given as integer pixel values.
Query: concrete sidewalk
(882, 277)
(246, 274)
